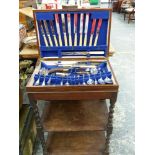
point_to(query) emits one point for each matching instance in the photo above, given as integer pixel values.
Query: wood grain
(28, 52)
(75, 116)
(27, 11)
(76, 143)
(71, 95)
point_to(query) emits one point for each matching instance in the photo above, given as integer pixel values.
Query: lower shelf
(76, 143)
(75, 116)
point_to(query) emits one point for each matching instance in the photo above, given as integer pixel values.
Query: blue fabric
(56, 51)
(73, 78)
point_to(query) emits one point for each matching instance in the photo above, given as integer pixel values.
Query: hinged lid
(73, 33)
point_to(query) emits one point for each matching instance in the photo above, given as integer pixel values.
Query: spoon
(83, 80)
(100, 80)
(90, 81)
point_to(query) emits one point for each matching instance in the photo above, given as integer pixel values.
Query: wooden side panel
(71, 95)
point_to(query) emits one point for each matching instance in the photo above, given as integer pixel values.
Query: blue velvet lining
(73, 78)
(55, 51)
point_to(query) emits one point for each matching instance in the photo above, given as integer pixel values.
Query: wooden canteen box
(74, 48)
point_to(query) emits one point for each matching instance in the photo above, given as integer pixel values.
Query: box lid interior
(83, 32)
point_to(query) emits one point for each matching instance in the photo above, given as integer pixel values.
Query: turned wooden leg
(124, 16)
(110, 124)
(39, 126)
(129, 18)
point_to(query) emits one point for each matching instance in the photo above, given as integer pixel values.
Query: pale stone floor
(123, 40)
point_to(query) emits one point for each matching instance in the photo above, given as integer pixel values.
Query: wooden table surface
(28, 52)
